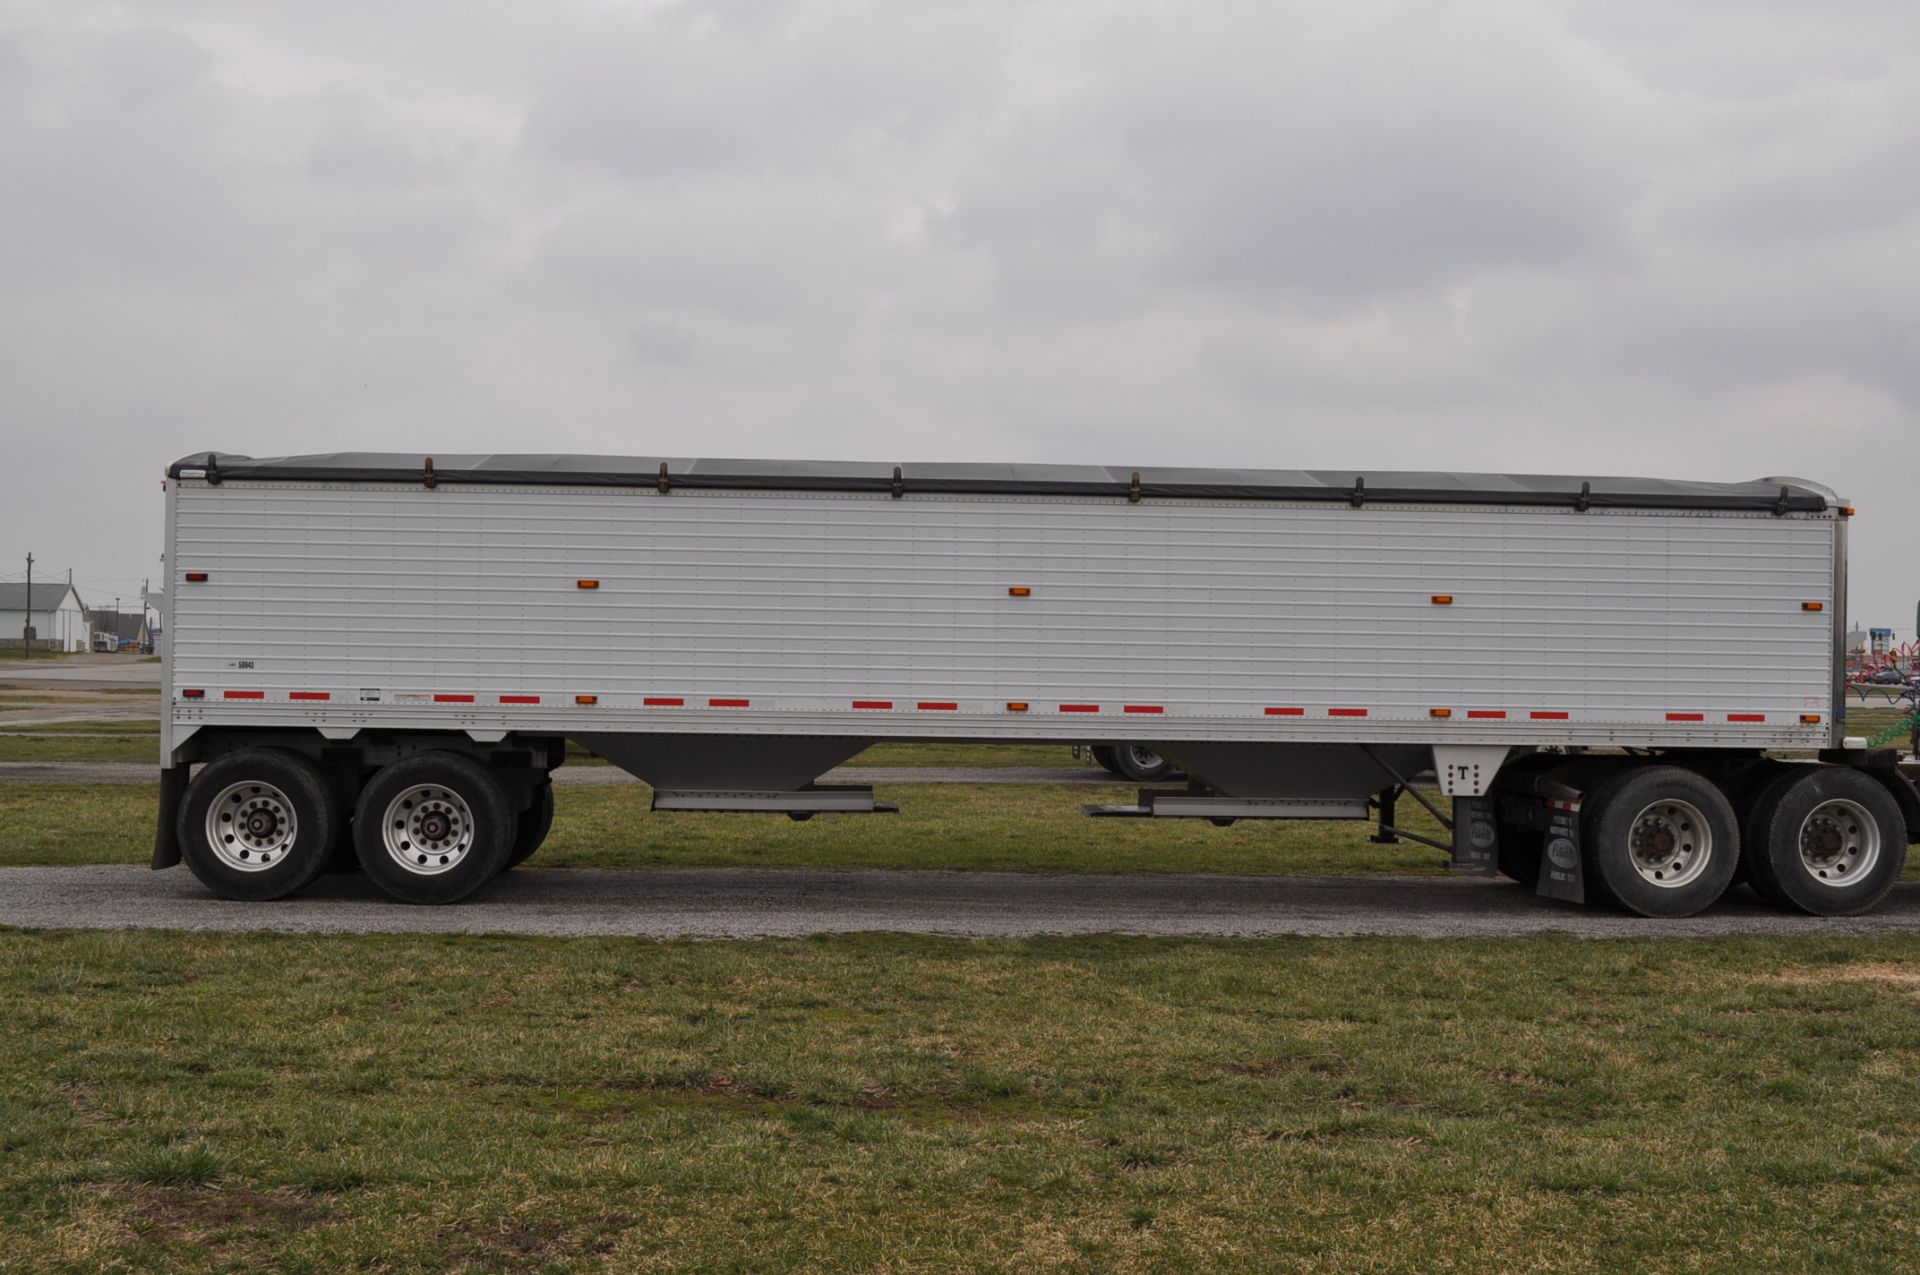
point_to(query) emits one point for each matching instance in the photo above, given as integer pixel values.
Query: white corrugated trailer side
(728, 630)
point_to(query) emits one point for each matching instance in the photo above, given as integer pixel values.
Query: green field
(195, 1102)
(1016, 827)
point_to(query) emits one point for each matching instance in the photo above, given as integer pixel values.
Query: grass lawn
(1014, 827)
(201, 1102)
(147, 728)
(140, 749)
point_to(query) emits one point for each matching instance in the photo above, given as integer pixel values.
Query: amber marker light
(1016, 706)
(586, 700)
(1813, 606)
(1443, 599)
(586, 584)
(1439, 712)
(1809, 719)
(1019, 591)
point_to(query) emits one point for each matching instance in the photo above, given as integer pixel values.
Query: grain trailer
(1628, 689)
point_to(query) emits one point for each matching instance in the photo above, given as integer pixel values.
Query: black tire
(1140, 764)
(532, 828)
(1803, 825)
(1107, 757)
(1687, 817)
(261, 793)
(429, 794)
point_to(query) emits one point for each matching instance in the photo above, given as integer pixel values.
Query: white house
(53, 612)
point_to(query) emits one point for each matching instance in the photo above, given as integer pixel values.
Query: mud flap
(166, 844)
(1560, 859)
(1476, 837)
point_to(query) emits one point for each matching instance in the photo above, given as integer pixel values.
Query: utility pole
(26, 629)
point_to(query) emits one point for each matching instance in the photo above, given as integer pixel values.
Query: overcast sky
(1624, 236)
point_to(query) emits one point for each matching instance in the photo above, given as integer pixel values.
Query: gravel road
(89, 772)
(734, 903)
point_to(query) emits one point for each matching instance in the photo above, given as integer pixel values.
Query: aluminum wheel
(428, 829)
(1144, 758)
(251, 826)
(1671, 844)
(1839, 842)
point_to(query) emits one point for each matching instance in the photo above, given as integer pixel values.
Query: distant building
(52, 615)
(122, 628)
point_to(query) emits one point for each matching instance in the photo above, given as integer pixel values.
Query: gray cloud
(1595, 236)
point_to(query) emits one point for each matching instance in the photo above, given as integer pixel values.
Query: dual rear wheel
(261, 823)
(1665, 841)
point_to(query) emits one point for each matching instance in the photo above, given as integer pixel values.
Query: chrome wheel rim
(1839, 842)
(251, 826)
(428, 829)
(1670, 844)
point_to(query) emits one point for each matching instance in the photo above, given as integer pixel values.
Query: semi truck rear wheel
(533, 825)
(1826, 840)
(256, 824)
(1659, 841)
(1140, 764)
(433, 828)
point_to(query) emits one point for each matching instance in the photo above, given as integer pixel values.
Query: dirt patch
(172, 1212)
(1900, 978)
(523, 1242)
